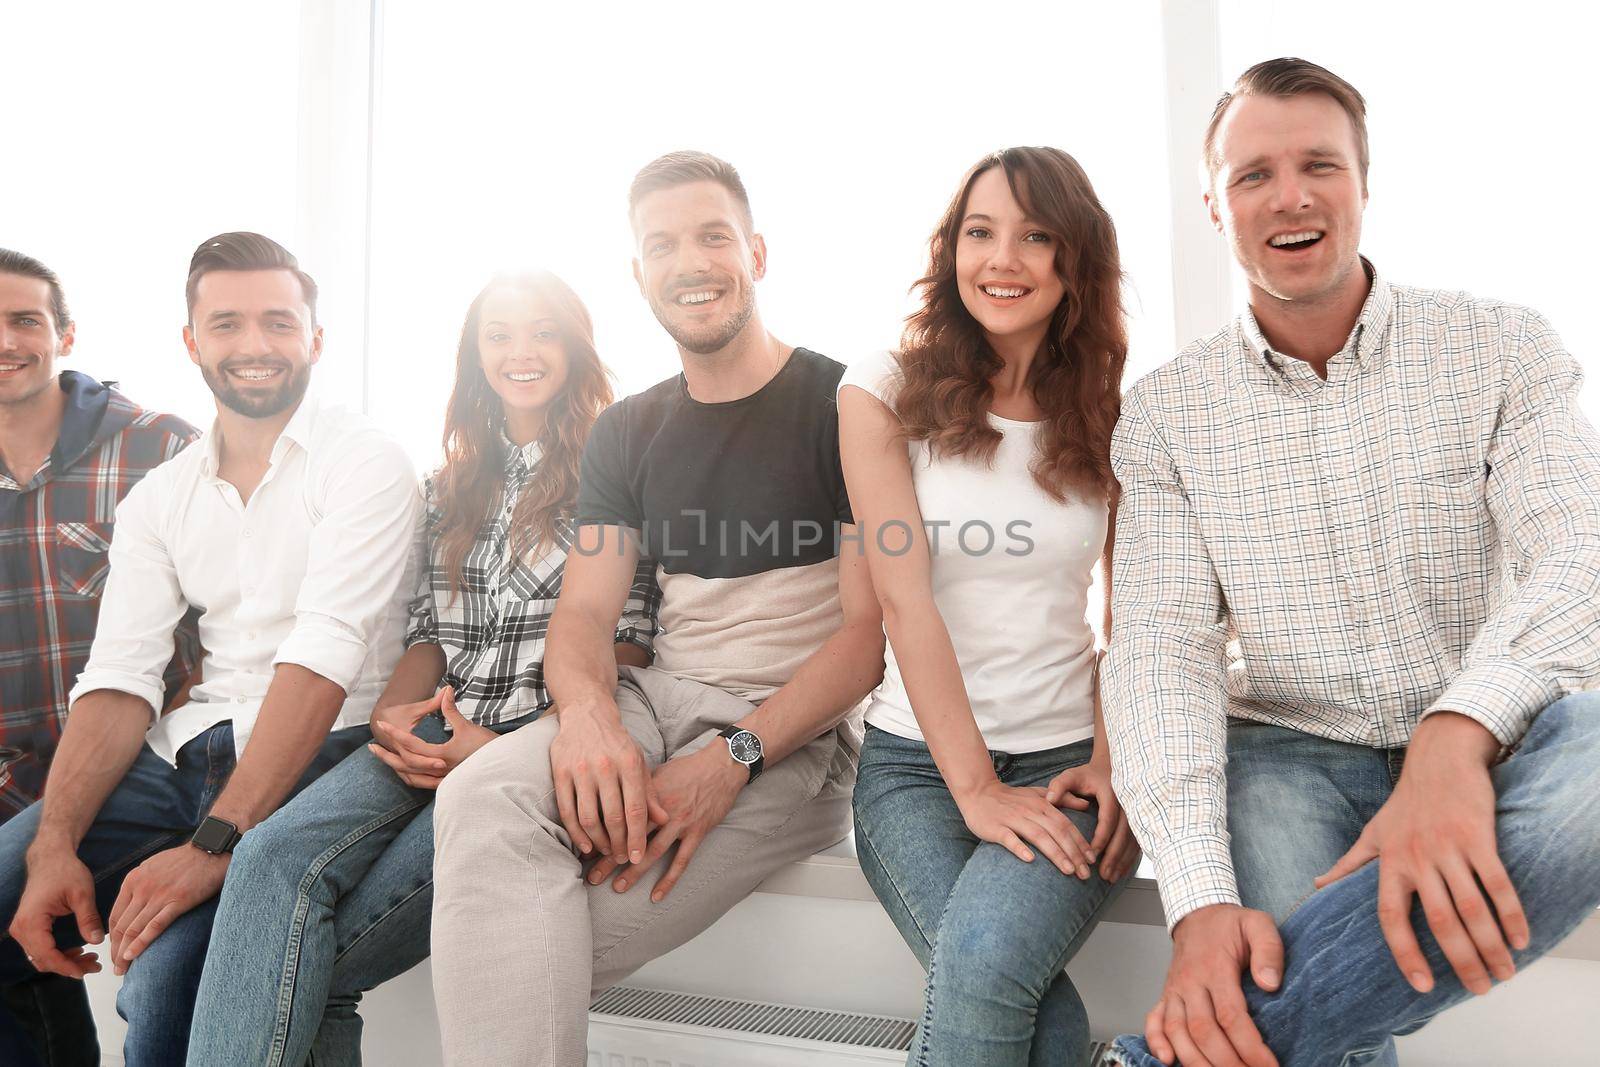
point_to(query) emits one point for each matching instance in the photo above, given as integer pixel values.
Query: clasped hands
(614, 808)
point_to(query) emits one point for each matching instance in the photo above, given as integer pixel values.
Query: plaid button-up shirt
(1420, 532)
(492, 630)
(55, 528)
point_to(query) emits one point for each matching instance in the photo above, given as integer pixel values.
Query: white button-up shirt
(314, 570)
(1418, 533)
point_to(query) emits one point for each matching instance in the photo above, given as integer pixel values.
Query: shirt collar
(524, 456)
(297, 431)
(1365, 337)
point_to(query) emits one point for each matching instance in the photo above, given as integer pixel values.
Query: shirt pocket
(82, 560)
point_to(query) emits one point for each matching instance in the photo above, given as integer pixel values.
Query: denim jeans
(1342, 998)
(992, 932)
(327, 899)
(154, 807)
(46, 1018)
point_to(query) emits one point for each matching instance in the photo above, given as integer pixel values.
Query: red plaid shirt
(54, 532)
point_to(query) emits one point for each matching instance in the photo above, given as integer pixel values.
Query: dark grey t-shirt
(737, 504)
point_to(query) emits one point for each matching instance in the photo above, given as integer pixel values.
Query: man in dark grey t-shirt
(737, 748)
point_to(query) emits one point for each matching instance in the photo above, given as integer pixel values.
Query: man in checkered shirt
(1356, 602)
(70, 449)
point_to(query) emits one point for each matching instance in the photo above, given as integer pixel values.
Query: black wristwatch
(745, 748)
(216, 836)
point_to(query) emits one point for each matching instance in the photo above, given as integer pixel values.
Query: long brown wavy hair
(469, 485)
(946, 363)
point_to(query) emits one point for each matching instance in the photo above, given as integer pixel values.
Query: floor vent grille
(754, 1017)
(853, 1029)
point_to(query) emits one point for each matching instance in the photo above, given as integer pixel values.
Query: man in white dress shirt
(288, 526)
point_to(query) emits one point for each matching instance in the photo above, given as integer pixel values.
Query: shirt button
(238, 700)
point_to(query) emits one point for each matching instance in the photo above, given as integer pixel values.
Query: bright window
(508, 136)
(132, 134)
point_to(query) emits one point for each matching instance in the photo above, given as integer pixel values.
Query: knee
(977, 958)
(1575, 717)
(460, 794)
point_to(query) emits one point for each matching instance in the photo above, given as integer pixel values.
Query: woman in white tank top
(978, 466)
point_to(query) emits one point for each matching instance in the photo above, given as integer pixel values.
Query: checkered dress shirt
(1420, 532)
(492, 631)
(55, 529)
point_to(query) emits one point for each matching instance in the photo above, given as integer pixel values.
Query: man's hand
(603, 789)
(1435, 839)
(693, 794)
(1201, 1019)
(156, 893)
(1113, 845)
(58, 884)
(417, 763)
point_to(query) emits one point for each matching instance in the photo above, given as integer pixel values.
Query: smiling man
(1388, 496)
(70, 449)
(288, 527)
(735, 753)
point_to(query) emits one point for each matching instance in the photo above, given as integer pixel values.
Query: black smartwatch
(745, 748)
(216, 836)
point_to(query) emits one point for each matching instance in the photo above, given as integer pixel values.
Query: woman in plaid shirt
(333, 894)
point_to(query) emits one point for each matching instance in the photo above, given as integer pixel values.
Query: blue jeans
(327, 899)
(1342, 998)
(992, 932)
(154, 807)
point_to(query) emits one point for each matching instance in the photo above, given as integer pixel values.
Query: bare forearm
(105, 731)
(581, 663)
(828, 684)
(300, 707)
(938, 697)
(415, 677)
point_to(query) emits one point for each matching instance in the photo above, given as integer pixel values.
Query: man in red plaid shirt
(70, 449)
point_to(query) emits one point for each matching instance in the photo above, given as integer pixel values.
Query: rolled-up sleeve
(142, 604)
(422, 620)
(1163, 697)
(638, 624)
(1543, 641)
(360, 552)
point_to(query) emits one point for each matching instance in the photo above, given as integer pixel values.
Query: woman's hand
(1018, 816)
(418, 763)
(403, 717)
(1113, 844)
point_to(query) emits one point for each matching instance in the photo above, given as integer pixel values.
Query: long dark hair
(469, 485)
(946, 362)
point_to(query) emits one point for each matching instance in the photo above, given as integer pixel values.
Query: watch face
(745, 746)
(213, 835)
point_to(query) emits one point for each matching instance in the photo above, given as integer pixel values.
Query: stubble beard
(713, 338)
(262, 406)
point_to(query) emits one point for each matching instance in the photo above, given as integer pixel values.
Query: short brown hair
(681, 168)
(1289, 76)
(242, 250)
(27, 267)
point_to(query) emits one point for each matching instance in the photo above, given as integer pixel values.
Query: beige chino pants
(521, 943)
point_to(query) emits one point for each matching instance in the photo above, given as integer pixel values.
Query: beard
(712, 337)
(259, 403)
